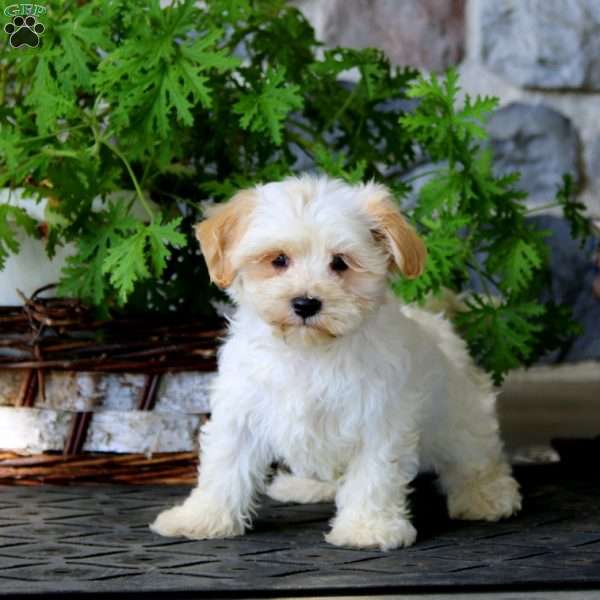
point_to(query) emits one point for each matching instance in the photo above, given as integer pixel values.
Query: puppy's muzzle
(306, 307)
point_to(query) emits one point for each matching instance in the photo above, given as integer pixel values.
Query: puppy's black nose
(306, 307)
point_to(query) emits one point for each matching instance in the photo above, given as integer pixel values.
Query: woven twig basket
(47, 335)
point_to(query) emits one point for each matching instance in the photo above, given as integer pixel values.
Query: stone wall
(428, 34)
(544, 53)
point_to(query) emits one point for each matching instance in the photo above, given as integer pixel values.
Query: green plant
(162, 107)
(475, 226)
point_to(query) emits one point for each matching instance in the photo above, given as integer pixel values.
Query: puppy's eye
(338, 264)
(281, 261)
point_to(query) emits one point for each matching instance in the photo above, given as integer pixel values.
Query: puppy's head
(309, 256)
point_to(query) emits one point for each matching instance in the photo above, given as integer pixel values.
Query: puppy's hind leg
(461, 440)
(473, 469)
(286, 487)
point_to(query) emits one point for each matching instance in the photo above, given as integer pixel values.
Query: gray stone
(537, 141)
(428, 34)
(572, 268)
(593, 161)
(549, 44)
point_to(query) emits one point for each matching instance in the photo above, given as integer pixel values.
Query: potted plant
(127, 115)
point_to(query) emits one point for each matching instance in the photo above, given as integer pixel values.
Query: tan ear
(404, 245)
(221, 231)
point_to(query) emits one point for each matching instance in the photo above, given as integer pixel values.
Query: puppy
(324, 370)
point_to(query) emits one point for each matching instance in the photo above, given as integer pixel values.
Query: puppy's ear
(219, 233)
(404, 245)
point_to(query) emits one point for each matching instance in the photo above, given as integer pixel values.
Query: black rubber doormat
(95, 539)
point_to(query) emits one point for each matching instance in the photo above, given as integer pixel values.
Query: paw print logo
(24, 31)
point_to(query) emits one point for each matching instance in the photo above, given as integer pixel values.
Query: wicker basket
(176, 468)
(48, 342)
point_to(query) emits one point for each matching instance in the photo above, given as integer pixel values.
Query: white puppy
(324, 370)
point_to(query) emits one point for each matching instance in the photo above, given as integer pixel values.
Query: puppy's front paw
(371, 532)
(488, 498)
(197, 521)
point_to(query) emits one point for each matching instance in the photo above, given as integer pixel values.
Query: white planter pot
(31, 268)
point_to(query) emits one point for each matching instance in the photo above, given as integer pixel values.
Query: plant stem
(3, 79)
(342, 108)
(136, 185)
(55, 133)
(542, 207)
(307, 129)
(61, 153)
(420, 175)
(482, 277)
(147, 168)
(302, 143)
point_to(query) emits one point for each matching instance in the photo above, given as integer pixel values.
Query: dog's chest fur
(314, 422)
(315, 407)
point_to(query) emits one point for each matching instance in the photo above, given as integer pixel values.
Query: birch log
(89, 391)
(32, 430)
(117, 425)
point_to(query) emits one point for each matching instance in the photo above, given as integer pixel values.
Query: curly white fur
(355, 399)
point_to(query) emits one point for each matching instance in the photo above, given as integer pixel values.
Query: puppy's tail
(300, 490)
(450, 303)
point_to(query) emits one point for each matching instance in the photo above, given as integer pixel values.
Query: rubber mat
(95, 539)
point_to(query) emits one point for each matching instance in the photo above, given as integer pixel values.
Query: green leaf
(500, 336)
(203, 53)
(127, 260)
(10, 153)
(83, 273)
(336, 165)
(441, 191)
(338, 60)
(230, 11)
(223, 190)
(266, 108)
(11, 217)
(474, 113)
(372, 75)
(160, 237)
(125, 263)
(157, 78)
(446, 131)
(516, 260)
(428, 88)
(573, 210)
(558, 329)
(446, 253)
(50, 101)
